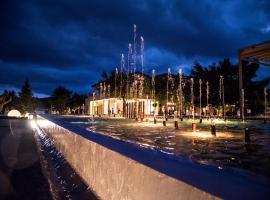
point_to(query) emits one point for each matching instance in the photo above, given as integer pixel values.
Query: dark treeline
(62, 101)
(254, 90)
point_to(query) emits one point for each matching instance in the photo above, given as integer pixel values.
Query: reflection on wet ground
(227, 150)
(65, 182)
(21, 174)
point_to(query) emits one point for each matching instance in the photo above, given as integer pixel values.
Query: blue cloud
(72, 42)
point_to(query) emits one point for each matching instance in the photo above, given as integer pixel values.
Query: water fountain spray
(142, 54)
(168, 80)
(153, 84)
(180, 94)
(109, 91)
(200, 88)
(135, 96)
(115, 78)
(135, 87)
(221, 95)
(153, 93)
(100, 90)
(94, 95)
(192, 97)
(243, 104)
(104, 90)
(134, 48)
(207, 96)
(131, 92)
(129, 68)
(265, 105)
(141, 76)
(192, 103)
(141, 85)
(129, 57)
(172, 87)
(121, 73)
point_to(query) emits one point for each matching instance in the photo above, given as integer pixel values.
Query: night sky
(70, 42)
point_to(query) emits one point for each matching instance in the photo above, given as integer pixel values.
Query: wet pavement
(66, 183)
(32, 168)
(21, 174)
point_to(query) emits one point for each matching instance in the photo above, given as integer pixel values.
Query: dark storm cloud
(71, 42)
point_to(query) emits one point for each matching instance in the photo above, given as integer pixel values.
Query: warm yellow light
(43, 123)
(201, 134)
(206, 134)
(33, 124)
(149, 124)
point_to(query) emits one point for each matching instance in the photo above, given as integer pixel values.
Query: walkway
(20, 169)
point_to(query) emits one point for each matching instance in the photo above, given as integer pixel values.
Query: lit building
(129, 108)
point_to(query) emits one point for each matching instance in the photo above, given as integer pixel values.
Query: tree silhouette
(26, 98)
(61, 97)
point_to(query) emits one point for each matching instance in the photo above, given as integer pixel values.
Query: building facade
(128, 108)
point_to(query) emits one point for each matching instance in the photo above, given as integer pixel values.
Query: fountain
(221, 95)
(170, 85)
(192, 103)
(141, 82)
(153, 85)
(181, 94)
(243, 105)
(94, 97)
(164, 115)
(134, 48)
(153, 94)
(265, 105)
(135, 87)
(172, 88)
(104, 90)
(207, 98)
(167, 92)
(121, 73)
(142, 54)
(109, 91)
(200, 88)
(128, 70)
(115, 85)
(100, 90)
(131, 90)
(136, 82)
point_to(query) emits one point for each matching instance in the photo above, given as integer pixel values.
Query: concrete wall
(118, 170)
